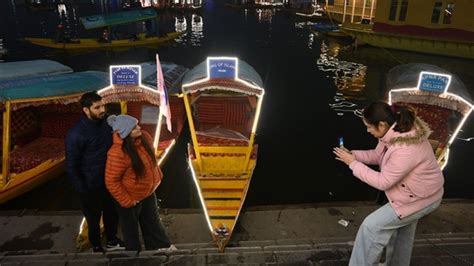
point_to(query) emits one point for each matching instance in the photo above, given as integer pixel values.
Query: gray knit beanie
(122, 124)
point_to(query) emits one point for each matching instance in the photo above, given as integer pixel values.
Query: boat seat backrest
(226, 112)
(437, 119)
(57, 119)
(35, 153)
(24, 126)
(177, 114)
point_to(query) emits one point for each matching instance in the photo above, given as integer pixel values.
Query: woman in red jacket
(132, 175)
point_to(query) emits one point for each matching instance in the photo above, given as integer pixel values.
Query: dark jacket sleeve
(74, 149)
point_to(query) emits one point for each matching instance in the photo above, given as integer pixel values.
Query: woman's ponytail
(405, 117)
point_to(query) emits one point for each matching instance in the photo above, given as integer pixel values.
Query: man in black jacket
(87, 144)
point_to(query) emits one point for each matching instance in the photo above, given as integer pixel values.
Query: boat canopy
(252, 82)
(406, 76)
(45, 87)
(117, 18)
(22, 69)
(173, 75)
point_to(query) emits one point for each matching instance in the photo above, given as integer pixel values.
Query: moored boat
(328, 29)
(78, 44)
(223, 98)
(438, 97)
(107, 40)
(37, 112)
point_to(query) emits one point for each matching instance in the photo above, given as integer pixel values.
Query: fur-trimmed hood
(420, 132)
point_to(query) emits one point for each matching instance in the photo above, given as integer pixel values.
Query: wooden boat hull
(453, 48)
(95, 44)
(223, 112)
(26, 181)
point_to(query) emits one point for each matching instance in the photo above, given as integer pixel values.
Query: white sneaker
(171, 248)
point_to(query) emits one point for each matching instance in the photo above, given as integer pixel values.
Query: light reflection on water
(348, 77)
(265, 15)
(192, 26)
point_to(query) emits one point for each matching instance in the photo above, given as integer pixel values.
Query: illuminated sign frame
(434, 82)
(125, 75)
(236, 78)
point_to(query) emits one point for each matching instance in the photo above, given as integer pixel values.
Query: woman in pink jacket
(409, 175)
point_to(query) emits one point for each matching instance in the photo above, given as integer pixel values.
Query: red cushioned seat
(35, 153)
(229, 113)
(56, 125)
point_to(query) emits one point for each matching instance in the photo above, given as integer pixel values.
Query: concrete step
(431, 250)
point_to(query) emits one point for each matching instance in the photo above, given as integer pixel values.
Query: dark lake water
(306, 78)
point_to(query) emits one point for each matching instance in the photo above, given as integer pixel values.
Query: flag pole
(164, 109)
(158, 132)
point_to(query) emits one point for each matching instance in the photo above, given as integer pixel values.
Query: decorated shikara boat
(133, 91)
(106, 41)
(37, 112)
(223, 98)
(438, 97)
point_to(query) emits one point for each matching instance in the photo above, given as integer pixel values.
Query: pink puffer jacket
(409, 173)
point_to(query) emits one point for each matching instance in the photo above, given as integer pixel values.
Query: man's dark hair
(89, 98)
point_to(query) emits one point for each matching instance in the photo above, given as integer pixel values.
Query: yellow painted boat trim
(95, 44)
(26, 181)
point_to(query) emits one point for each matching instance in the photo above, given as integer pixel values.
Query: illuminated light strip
(236, 78)
(457, 97)
(165, 153)
(81, 227)
(446, 157)
(459, 127)
(435, 74)
(200, 196)
(257, 115)
(104, 89)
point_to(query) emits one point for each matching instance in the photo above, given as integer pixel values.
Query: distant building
(351, 10)
(438, 27)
